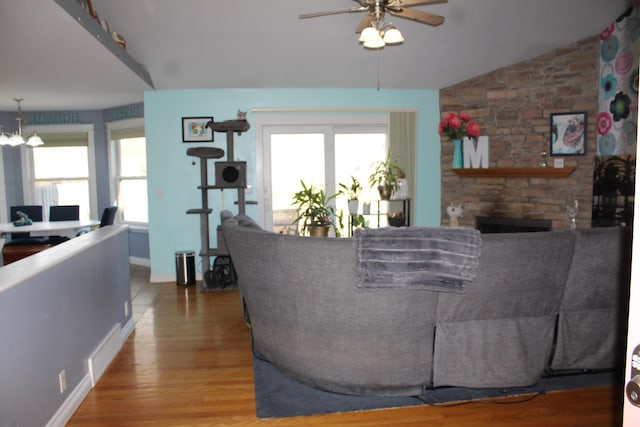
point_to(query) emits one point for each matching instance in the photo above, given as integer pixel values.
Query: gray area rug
(278, 396)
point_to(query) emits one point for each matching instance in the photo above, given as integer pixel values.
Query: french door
(322, 155)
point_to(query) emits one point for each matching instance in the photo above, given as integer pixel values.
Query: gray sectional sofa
(540, 303)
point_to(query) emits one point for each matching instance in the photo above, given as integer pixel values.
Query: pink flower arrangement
(457, 126)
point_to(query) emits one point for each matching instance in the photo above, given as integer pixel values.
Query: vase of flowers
(456, 127)
(458, 159)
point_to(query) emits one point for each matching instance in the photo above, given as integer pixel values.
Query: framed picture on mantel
(568, 134)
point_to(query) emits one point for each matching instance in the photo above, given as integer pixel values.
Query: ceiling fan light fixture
(393, 36)
(369, 34)
(376, 43)
(375, 33)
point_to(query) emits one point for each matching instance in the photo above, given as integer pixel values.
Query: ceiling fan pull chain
(378, 68)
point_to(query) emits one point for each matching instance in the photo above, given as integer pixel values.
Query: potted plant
(352, 191)
(385, 176)
(357, 221)
(314, 211)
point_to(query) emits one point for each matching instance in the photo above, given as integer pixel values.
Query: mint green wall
(173, 179)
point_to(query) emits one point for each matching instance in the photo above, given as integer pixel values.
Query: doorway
(322, 150)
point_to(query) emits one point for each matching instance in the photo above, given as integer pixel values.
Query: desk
(49, 228)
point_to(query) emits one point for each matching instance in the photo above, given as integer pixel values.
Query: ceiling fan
(377, 8)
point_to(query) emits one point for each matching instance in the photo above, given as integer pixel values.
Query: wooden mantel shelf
(514, 172)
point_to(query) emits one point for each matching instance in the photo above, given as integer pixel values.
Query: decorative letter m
(476, 157)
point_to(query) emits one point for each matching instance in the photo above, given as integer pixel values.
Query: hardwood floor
(188, 363)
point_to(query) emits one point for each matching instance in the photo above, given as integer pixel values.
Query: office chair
(33, 211)
(108, 216)
(64, 213)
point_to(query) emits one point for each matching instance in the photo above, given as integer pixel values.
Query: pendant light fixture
(16, 138)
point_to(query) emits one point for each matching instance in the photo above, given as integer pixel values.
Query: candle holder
(544, 163)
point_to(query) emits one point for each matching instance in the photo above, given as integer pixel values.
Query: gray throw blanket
(431, 258)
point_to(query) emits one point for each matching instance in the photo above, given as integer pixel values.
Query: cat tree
(228, 175)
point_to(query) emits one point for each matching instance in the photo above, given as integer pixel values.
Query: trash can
(185, 268)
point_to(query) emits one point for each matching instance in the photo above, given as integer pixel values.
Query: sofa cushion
(247, 222)
(500, 332)
(593, 315)
(226, 217)
(243, 220)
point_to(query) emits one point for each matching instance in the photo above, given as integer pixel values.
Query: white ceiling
(52, 62)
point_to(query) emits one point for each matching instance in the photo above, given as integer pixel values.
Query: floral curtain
(618, 100)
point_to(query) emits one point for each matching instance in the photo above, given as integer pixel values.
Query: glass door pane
(354, 155)
(294, 157)
(323, 156)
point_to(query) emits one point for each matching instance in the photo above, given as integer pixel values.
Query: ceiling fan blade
(332, 12)
(364, 23)
(418, 16)
(404, 3)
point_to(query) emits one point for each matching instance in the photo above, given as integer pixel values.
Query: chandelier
(379, 34)
(16, 138)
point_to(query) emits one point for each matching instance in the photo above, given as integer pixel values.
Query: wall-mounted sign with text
(55, 119)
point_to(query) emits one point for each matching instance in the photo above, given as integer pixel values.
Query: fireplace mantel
(514, 172)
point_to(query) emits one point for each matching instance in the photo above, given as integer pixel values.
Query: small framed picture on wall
(194, 129)
(568, 134)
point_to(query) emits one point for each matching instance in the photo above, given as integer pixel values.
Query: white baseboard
(104, 354)
(71, 403)
(97, 364)
(144, 262)
(128, 329)
(154, 278)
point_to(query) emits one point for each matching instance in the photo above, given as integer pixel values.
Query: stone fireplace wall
(513, 106)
